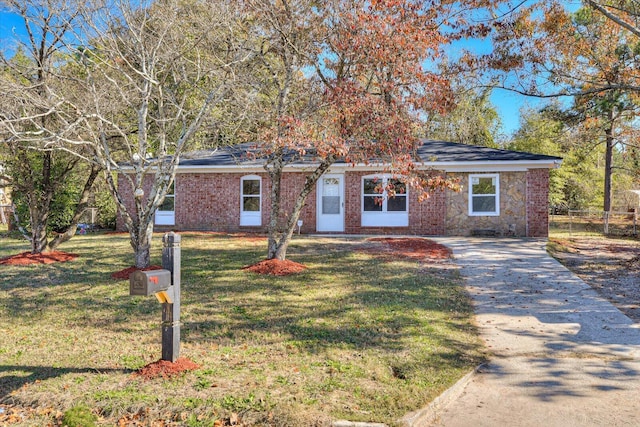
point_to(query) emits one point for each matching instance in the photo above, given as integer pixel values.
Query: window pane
(251, 187)
(484, 204)
(397, 203)
(372, 186)
(330, 204)
(483, 185)
(167, 204)
(251, 204)
(373, 204)
(398, 186)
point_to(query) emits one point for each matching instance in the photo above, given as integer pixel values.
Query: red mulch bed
(166, 369)
(416, 248)
(27, 258)
(276, 267)
(125, 273)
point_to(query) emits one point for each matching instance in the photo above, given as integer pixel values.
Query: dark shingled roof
(430, 151)
(443, 151)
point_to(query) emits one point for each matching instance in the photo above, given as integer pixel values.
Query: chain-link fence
(595, 222)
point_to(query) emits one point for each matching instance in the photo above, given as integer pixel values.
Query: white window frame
(383, 218)
(250, 218)
(496, 194)
(167, 217)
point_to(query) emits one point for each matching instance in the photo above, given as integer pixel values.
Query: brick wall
(425, 218)
(538, 203)
(211, 201)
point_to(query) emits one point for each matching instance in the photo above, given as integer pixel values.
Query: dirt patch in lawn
(126, 272)
(27, 258)
(408, 247)
(610, 266)
(166, 369)
(276, 267)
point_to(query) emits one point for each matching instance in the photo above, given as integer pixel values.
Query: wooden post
(171, 310)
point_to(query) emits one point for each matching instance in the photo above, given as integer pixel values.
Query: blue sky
(508, 104)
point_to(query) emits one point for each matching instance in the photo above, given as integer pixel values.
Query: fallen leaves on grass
(125, 273)
(410, 247)
(27, 258)
(276, 267)
(166, 369)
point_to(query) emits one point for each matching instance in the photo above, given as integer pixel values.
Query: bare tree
(28, 82)
(143, 79)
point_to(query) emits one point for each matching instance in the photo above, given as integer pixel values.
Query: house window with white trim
(251, 200)
(384, 202)
(166, 212)
(484, 195)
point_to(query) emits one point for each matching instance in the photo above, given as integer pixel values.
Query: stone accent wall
(538, 202)
(512, 218)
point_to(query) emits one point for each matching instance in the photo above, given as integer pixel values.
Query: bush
(79, 416)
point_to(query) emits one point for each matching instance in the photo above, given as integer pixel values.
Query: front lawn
(355, 336)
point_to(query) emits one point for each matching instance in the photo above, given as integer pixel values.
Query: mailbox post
(171, 308)
(165, 285)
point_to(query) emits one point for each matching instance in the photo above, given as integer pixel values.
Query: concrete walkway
(562, 356)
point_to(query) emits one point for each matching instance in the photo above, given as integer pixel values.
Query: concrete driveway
(561, 355)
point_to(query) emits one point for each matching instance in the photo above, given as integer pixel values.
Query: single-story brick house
(503, 193)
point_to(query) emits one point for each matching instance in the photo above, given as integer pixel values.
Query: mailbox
(149, 282)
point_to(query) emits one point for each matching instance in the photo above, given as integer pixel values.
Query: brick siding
(211, 201)
(538, 203)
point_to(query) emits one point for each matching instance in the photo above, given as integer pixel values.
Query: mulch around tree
(166, 369)
(408, 247)
(27, 258)
(125, 273)
(411, 247)
(276, 267)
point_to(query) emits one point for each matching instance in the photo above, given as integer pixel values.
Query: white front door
(330, 206)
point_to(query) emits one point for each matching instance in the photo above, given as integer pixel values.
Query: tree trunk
(141, 243)
(38, 230)
(275, 174)
(608, 167)
(278, 244)
(80, 208)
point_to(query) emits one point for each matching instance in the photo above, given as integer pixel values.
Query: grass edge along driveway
(358, 335)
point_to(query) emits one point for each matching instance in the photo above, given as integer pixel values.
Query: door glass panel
(331, 196)
(331, 205)
(250, 204)
(251, 187)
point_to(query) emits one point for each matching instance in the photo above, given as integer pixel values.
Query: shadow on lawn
(10, 382)
(369, 310)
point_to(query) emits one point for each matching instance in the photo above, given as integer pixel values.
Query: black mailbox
(149, 282)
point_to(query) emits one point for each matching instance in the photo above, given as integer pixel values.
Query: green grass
(352, 337)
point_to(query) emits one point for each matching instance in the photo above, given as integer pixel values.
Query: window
(251, 200)
(384, 202)
(484, 195)
(166, 212)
